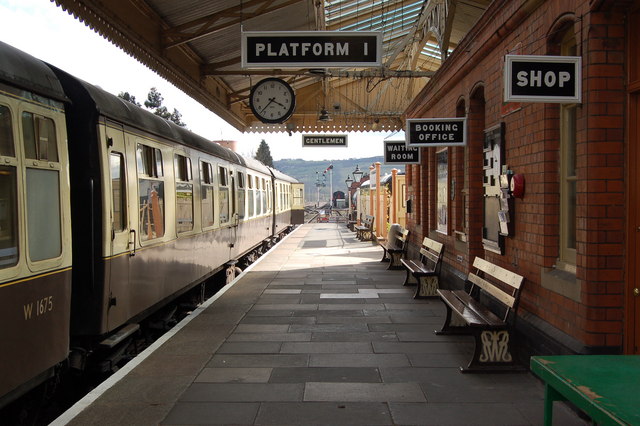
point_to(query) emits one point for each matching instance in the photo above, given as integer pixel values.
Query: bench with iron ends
(469, 313)
(395, 246)
(364, 232)
(424, 272)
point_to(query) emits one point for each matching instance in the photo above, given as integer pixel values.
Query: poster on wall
(442, 192)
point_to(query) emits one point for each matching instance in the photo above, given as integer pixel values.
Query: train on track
(108, 212)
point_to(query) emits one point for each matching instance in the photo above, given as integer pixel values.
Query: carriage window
(206, 173)
(206, 177)
(223, 193)
(43, 214)
(241, 192)
(6, 133)
(184, 194)
(151, 209)
(8, 216)
(250, 199)
(118, 191)
(151, 192)
(269, 197)
(258, 197)
(149, 161)
(222, 176)
(39, 137)
(264, 196)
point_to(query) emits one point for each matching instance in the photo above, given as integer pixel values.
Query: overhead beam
(432, 18)
(211, 23)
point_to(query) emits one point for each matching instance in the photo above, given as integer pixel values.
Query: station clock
(272, 100)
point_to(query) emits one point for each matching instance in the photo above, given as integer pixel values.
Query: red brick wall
(474, 73)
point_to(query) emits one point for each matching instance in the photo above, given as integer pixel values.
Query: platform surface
(317, 332)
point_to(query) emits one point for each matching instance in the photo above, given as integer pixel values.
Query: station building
(573, 229)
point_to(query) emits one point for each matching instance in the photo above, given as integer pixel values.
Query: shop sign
(529, 78)
(324, 140)
(311, 49)
(397, 152)
(436, 132)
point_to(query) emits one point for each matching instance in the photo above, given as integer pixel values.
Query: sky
(45, 31)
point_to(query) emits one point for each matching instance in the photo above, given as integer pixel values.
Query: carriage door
(120, 232)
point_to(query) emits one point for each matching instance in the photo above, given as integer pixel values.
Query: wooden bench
(395, 247)
(424, 272)
(364, 232)
(469, 313)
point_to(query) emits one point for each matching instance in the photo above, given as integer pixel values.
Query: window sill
(562, 282)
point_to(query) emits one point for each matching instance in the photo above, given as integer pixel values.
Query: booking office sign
(426, 132)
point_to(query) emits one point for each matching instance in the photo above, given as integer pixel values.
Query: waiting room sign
(397, 152)
(530, 78)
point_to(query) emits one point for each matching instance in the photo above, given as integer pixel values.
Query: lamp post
(357, 177)
(319, 184)
(348, 181)
(357, 174)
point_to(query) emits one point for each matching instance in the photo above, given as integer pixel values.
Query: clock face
(272, 100)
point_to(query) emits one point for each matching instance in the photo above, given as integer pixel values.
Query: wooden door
(632, 311)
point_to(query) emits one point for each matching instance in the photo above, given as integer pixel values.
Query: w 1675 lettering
(37, 308)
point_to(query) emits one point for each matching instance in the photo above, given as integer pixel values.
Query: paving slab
(262, 360)
(324, 413)
(318, 332)
(212, 413)
(325, 374)
(364, 392)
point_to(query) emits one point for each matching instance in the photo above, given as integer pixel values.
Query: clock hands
(272, 100)
(268, 103)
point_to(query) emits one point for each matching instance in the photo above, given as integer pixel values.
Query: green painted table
(606, 387)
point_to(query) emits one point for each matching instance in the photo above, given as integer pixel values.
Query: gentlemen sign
(436, 132)
(304, 49)
(324, 140)
(400, 153)
(542, 79)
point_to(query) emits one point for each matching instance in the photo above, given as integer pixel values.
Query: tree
(154, 103)
(154, 99)
(263, 154)
(129, 98)
(176, 117)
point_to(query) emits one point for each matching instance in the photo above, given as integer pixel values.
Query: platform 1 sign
(310, 49)
(531, 78)
(397, 152)
(424, 132)
(324, 140)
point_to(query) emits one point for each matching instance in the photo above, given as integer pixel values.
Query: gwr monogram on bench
(466, 314)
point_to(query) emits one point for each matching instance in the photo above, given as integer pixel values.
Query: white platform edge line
(88, 399)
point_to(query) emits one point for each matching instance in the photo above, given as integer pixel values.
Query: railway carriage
(107, 212)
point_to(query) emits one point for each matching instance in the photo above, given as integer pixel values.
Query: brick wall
(473, 78)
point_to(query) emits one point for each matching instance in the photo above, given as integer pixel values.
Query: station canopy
(196, 45)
